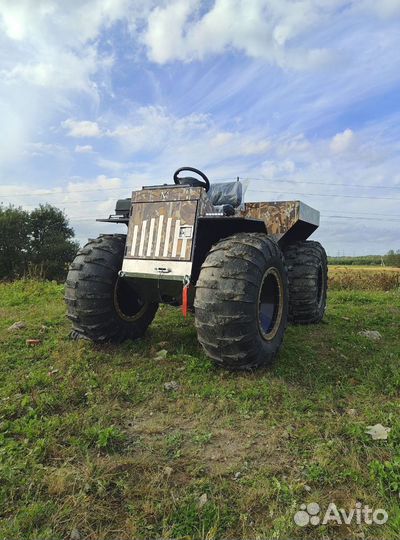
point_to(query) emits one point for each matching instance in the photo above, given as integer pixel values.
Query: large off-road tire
(241, 301)
(102, 306)
(308, 281)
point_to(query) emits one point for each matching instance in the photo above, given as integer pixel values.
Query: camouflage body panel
(170, 193)
(205, 205)
(281, 216)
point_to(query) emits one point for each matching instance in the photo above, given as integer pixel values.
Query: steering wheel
(205, 183)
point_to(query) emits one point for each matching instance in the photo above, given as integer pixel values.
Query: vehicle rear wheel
(308, 281)
(101, 305)
(241, 301)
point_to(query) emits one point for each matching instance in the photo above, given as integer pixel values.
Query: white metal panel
(134, 239)
(183, 248)
(142, 237)
(176, 237)
(159, 233)
(150, 267)
(167, 235)
(151, 234)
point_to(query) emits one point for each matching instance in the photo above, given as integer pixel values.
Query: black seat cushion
(226, 193)
(190, 181)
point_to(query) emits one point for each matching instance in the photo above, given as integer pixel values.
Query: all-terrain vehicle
(244, 268)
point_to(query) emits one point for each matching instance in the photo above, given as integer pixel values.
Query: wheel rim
(127, 303)
(270, 304)
(320, 285)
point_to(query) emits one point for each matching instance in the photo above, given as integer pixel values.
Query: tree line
(37, 244)
(392, 258)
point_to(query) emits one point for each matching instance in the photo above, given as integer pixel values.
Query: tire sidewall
(269, 346)
(321, 304)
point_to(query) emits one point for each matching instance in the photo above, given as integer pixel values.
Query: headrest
(226, 193)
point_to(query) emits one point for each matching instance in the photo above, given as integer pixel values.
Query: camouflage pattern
(170, 193)
(205, 205)
(280, 216)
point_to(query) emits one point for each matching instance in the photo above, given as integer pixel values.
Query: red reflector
(185, 291)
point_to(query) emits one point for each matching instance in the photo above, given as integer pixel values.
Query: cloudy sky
(301, 97)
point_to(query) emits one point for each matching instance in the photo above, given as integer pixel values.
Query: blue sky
(301, 97)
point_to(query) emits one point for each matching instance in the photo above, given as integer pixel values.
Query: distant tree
(51, 245)
(14, 241)
(392, 258)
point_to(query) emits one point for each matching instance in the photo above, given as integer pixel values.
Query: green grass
(91, 440)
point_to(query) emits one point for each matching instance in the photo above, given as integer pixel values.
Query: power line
(361, 214)
(357, 215)
(385, 216)
(79, 218)
(68, 203)
(130, 188)
(30, 194)
(371, 186)
(381, 214)
(331, 195)
(363, 218)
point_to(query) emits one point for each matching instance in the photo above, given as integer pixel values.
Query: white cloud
(260, 29)
(156, 130)
(83, 149)
(49, 53)
(64, 72)
(54, 51)
(51, 43)
(81, 128)
(221, 138)
(255, 147)
(383, 8)
(43, 149)
(280, 32)
(113, 165)
(291, 167)
(342, 142)
(275, 168)
(165, 44)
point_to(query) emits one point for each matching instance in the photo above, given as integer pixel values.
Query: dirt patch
(235, 450)
(227, 450)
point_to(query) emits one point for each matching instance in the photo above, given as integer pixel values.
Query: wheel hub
(270, 304)
(128, 305)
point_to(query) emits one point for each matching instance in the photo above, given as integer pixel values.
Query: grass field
(367, 268)
(367, 278)
(93, 446)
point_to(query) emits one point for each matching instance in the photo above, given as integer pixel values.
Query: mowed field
(94, 445)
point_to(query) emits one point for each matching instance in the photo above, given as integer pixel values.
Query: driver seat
(190, 181)
(226, 193)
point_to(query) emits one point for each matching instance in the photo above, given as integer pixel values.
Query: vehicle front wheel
(101, 305)
(241, 301)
